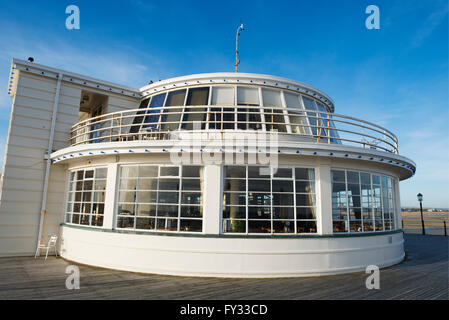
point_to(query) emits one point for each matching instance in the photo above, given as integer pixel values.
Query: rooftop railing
(165, 123)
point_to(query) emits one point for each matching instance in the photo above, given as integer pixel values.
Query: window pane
(157, 101)
(127, 196)
(147, 184)
(259, 226)
(235, 171)
(258, 185)
(234, 212)
(146, 210)
(271, 98)
(247, 96)
(305, 187)
(89, 174)
(175, 98)
(191, 211)
(167, 211)
(365, 178)
(191, 198)
(306, 226)
(283, 213)
(168, 184)
(145, 223)
(305, 213)
(125, 222)
(282, 186)
(128, 184)
(235, 185)
(129, 172)
(237, 226)
(305, 200)
(191, 225)
(353, 177)
(168, 197)
(147, 171)
(304, 174)
(235, 199)
(191, 171)
(259, 213)
(101, 173)
(292, 100)
(281, 199)
(126, 209)
(259, 199)
(100, 184)
(167, 224)
(222, 96)
(169, 171)
(283, 226)
(191, 184)
(255, 172)
(338, 176)
(283, 173)
(198, 96)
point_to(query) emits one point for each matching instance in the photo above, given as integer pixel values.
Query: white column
(397, 204)
(109, 206)
(324, 199)
(212, 199)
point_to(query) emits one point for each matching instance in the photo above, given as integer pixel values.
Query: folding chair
(51, 243)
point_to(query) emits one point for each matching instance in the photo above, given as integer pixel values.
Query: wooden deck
(423, 275)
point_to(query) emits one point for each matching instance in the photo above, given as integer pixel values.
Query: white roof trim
(184, 81)
(70, 77)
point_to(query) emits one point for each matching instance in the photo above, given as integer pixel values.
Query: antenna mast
(237, 61)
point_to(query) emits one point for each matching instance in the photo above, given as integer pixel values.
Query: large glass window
(164, 198)
(196, 97)
(157, 101)
(248, 118)
(86, 196)
(172, 116)
(274, 116)
(219, 117)
(281, 202)
(139, 117)
(362, 202)
(309, 104)
(297, 120)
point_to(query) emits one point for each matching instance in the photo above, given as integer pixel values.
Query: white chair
(51, 243)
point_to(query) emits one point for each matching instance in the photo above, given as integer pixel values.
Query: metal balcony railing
(166, 123)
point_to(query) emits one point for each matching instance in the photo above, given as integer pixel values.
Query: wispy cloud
(430, 24)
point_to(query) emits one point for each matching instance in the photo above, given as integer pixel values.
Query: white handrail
(329, 127)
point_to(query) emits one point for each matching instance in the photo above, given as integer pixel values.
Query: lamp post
(422, 219)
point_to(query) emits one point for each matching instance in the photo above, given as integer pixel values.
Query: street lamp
(422, 219)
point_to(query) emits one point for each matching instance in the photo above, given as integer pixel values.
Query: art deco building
(220, 174)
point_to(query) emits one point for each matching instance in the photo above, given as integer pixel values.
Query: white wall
(24, 164)
(229, 257)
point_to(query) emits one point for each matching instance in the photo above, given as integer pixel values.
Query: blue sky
(396, 77)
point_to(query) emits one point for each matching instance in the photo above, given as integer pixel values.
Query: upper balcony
(215, 121)
(208, 112)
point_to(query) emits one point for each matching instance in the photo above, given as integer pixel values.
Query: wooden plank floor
(423, 275)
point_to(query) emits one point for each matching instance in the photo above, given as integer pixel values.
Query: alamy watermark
(229, 148)
(73, 20)
(373, 20)
(373, 281)
(73, 280)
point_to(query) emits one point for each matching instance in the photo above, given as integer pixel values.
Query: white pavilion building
(219, 174)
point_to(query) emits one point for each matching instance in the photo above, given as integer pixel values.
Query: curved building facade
(231, 175)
